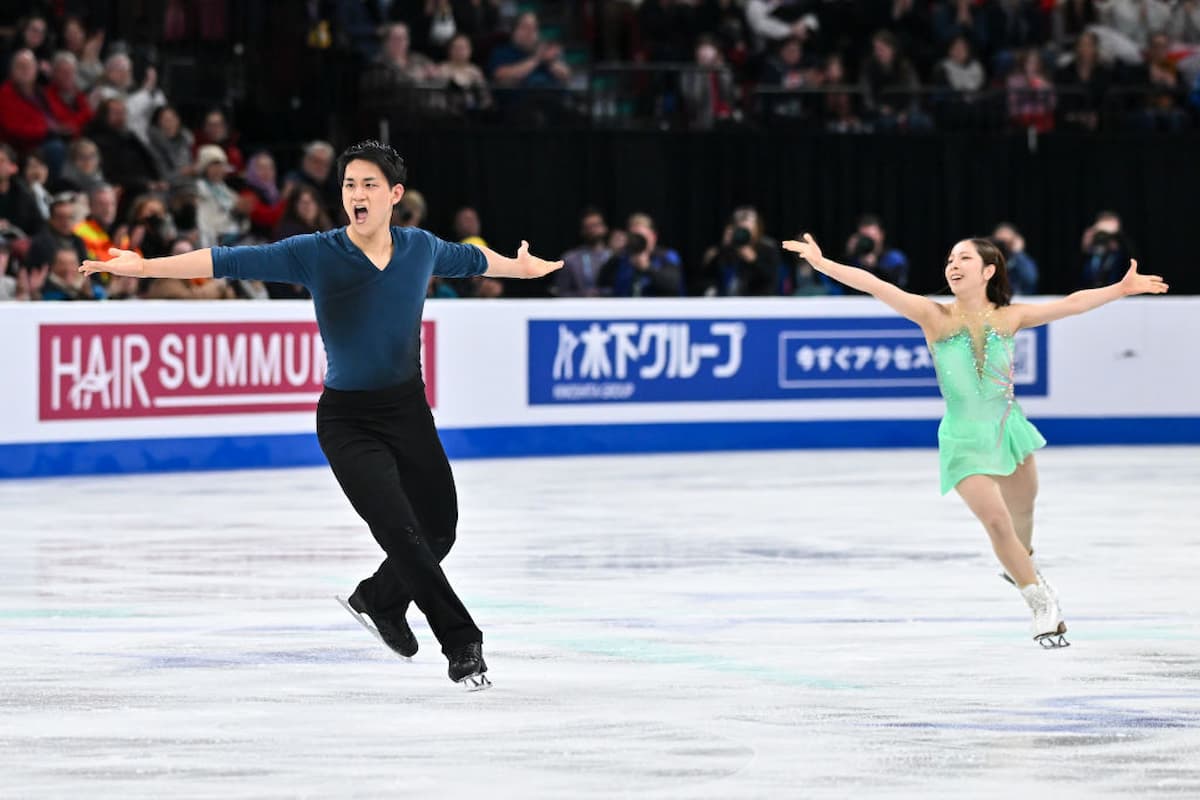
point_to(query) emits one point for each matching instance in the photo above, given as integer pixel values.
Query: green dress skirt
(984, 431)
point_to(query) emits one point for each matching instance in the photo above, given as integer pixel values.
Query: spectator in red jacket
(260, 197)
(26, 119)
(69, 105)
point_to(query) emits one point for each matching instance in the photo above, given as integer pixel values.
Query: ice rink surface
(799, 624)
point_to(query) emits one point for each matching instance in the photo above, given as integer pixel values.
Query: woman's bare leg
(1020, 491)
(982, 495)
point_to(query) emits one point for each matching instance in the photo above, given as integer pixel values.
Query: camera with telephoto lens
(636, 244)
(741, 237)
(861, 245)
(406, 214)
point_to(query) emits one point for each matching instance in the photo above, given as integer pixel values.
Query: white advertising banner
(504, 375)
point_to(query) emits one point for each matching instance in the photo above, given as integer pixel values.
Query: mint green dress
(984, 431)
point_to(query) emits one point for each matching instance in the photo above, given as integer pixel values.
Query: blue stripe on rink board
(158, 455)
(301, 449)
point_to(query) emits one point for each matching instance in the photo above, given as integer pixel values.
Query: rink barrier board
(299, 450)
(161, 386)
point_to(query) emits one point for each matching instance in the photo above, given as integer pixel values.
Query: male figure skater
(368, 282)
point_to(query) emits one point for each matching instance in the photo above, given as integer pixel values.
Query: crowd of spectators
(631, 261)
(841, 65)
(95, 153)
(913, 64)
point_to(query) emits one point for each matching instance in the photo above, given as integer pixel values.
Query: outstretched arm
(196, 264)
(920, 310)
(1030, 315)
(525, 265)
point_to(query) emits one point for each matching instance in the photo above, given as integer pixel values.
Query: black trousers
(385, 453)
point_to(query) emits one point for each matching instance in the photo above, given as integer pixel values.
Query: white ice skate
(1048, 625)
(1041, 579)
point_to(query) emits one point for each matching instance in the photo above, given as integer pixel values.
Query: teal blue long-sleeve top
(370, 319)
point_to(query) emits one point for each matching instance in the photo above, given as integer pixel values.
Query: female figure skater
(368, 283)
(985, 443)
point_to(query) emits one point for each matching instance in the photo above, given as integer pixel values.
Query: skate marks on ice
(788, 624)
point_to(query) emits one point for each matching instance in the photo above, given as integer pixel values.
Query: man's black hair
(379, 154)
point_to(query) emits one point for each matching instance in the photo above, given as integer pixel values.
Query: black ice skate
(467, 666)
(393, 632)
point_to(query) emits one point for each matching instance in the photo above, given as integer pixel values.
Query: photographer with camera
(1022, 270)
(866, 248)
(746, 263)
(150, 231)
(1106, 251)
(642, 268)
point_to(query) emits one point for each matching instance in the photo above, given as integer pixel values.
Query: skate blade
(1054, 641)
(475, 683)
(362, 620)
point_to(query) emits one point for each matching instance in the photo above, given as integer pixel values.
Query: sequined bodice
(975, 376)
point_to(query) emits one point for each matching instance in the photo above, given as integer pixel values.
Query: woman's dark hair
(156, 115)
(24, 23)
(379, 154)
(291, 212)
(884, 36)
(999, 291)
(39, 154)
(72, 19)
(100, 120)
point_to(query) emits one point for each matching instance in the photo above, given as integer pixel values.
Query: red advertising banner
(100, 370)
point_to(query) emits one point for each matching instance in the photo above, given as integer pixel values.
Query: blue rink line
(47, 459)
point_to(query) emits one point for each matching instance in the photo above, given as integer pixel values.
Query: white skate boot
(1048, 625)
(1041, 579)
